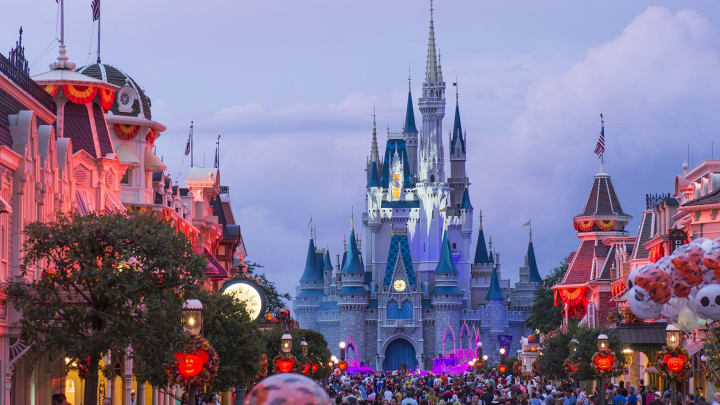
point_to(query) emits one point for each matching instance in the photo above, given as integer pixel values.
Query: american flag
(95, 6)
(600, 147)
(187, 147)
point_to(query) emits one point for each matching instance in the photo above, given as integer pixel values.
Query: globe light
(342, 345)
(485, 357)
(286, 342)
(574, 343)
(192, 316)
(333, 359)
(502, 351)
(304, 346)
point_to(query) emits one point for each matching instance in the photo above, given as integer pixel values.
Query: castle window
(396, 177)
(454, 245)
(395, 193)
(126, 176)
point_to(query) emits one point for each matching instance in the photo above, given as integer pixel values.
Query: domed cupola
(130, 99)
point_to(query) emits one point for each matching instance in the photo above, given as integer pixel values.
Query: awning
(152, 162)
(694, 346)
(113, 205)
(85, 203)
(126, 155)
(214, 269)
(641, 335)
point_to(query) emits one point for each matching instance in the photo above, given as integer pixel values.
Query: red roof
(214, 269)
(76, 126)
(579, 271)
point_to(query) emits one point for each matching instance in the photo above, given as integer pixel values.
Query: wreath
(570, 367)
(674, 363)
(604, 363)
(196, 365)
(516, 368)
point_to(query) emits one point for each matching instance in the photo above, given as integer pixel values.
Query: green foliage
(318, 351)
(556, 349)
(544, 315)
(228, 328)
(89, 297)
(274, 300)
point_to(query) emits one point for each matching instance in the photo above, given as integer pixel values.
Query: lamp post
(192, 323)
(574, 343)
(602, 344)
(479, 350)
(672, 340)
(304, 346)
(342, 351)
(502, 354)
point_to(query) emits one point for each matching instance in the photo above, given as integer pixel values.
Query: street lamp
(286, 342)
(485, 357)
(479, 350)
(342, 351)
(333, 359)
(602, 341)
(672, 340)
(574, 343)
(672, 336)
(192, 316)
(502, 353)
(304, 346)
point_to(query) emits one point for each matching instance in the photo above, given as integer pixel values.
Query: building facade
(418, 289)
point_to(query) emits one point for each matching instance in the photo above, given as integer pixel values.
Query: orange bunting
(107, 98)
(127, 132)
(606, 225)
(80, 94)
(150, 137)
(572, 296)
(583, 225)
(52, 89)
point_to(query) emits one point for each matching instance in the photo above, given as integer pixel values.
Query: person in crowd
(632, 398)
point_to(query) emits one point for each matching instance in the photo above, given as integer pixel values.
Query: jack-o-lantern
(604, 362)
(343, 365)
(502, 368)
(306, 368)
(315, 368)
(190, 364)
(675, 363)
(285, 365)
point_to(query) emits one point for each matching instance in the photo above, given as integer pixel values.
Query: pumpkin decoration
(196, 365)
(674, 364)
(606, 225)
(603, 362)
(284, 364)
(502, 368)
(343, 365)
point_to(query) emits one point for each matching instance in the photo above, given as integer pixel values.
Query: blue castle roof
(327, 264)
(399, 248)
(457, 131)
(481, 253)
(494, 293)
(390, 147)
(532, 264)
(410, 117)
(352, 263)
(373, 176)
(352, 290)
(466, 205)
(313, 269)
(446, 264)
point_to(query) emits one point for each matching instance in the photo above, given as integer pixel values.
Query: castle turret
(410, 134)
(311, 290)
(446, 296)
(458, 180)
(353, 299)
(373, 172)
(432, 108)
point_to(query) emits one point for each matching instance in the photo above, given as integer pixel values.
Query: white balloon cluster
(683, 287)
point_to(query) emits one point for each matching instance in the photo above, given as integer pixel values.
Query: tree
(544, 315)
(228, 328)
(105, 283)
(318, 351)
(556, 349)
(274, 300)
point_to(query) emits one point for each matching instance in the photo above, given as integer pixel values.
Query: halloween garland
(674, 363)
(604, 363)
(196, 365)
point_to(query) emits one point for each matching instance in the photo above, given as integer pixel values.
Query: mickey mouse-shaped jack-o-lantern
(502, 368)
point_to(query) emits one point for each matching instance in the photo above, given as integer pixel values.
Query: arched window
(393, 311)
(406, 311)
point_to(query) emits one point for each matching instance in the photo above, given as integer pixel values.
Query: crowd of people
(488, 389)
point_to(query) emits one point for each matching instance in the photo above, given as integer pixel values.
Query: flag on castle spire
(600, 147)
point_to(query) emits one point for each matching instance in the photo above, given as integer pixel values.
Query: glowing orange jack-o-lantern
(192, 364)
(343, 365)
(675, 363)
(502, 368)
(603, 363)
(315, 368)
(306, 368)
(285, 365)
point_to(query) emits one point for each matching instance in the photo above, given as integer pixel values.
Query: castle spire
(431, 65)
(494, 293)
(532, 263)
(457, 133)
(481, 252)
(410, 127)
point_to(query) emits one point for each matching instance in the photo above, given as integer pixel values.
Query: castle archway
(397, 352)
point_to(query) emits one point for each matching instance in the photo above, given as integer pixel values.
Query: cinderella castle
(422, 294)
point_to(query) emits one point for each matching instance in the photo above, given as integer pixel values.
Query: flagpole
(62, 22)
(192, 146)
(99, 15)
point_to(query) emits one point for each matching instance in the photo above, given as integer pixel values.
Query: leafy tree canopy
(544, 315)
(274, 299)
(104, 283)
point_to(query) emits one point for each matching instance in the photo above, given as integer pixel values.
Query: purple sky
(291, 86)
